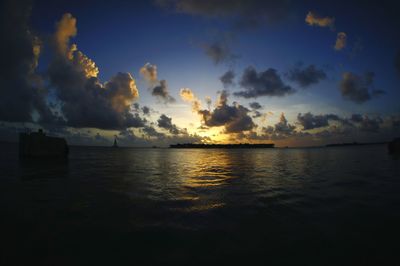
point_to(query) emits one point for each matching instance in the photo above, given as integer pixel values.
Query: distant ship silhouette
(37, 144)
(115, 145)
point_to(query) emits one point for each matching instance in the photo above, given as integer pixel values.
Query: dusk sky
(293, 73)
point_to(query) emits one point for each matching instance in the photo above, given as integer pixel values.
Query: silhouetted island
(37, 144)
(222, 146)
(353, 144)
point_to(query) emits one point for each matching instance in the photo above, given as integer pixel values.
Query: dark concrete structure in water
(222, 146)
(394, 146)
(37, 144)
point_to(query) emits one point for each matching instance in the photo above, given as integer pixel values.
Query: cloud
(305, 76)
(341, 41)
(84, 100)
(208, 102)
(283, 127)
(280, 130)
(227, 78)
(310, 121)
(234, 118)
(219, 52)
(265, 83)
(244, 13)
(21, 92)
(149, 72)
(358, 89)
(366, 123)
(158, 88)
(360, 122)
(255, 105)
(146, 110)
(161, 91)
(65, 30)
(313, 19)
(152, 132)
(166, 123)
(188, 96)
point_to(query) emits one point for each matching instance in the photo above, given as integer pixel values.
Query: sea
(155, 206)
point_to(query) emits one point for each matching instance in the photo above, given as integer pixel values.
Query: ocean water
(104, 206)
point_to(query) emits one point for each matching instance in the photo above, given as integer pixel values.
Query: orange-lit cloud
(313, 19)
(188, 96)
(149, 73)
(65, 29)
(341, 41)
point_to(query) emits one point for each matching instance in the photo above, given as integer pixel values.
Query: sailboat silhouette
(115, 145)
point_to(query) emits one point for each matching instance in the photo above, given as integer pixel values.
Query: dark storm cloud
(264, 83)
(305, 76)
(244, 13)
(310, 121)
(20, 93)
(227, 78)
(161, 91)
(255, 105)
(166, 123)
(358, 89)
(234, 118)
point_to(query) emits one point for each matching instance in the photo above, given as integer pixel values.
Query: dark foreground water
(325, 206)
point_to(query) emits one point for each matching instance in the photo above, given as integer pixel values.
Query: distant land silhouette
(222, 146)
(354, 144)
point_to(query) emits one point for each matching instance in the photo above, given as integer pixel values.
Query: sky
(154, 73)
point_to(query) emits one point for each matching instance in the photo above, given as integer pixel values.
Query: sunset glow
(184, 71)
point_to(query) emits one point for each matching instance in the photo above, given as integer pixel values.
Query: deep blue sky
(123, 36)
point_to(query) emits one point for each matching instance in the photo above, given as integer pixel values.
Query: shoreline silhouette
(222, 146)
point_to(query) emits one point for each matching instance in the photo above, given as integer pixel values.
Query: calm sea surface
(322, 206)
